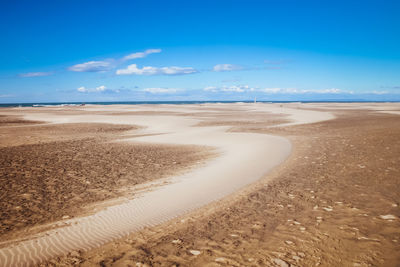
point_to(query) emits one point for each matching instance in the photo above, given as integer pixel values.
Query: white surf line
(245, 157)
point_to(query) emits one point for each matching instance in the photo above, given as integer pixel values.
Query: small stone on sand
(194, 252)
(221, 260)
(281, 263)
(301, 254)
(388, 217)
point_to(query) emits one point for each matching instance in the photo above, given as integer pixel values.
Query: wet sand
(302, 213)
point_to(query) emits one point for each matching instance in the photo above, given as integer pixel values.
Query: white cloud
(211, 89)
(133, 69)
(271, 90)
(177, 70)
(277, 90)
(323, 91)
(233, 88)
(105, 65)
(35, 74)
(380, 92)
(226, 67)
(100, 88)
(302, 91)
(159, 90)
(329, 91)
(91, 66)
(274, 90)
(83, 89)
(141, 54)
(237, 89)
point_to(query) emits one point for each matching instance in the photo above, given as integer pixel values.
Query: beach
(237, 184)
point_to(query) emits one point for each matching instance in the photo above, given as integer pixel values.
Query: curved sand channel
(244, 158)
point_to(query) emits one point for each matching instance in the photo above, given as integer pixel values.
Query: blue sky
(199, 50)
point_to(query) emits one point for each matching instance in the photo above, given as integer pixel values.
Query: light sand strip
(245, 157)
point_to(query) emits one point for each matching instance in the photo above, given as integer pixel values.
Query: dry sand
(332, 203)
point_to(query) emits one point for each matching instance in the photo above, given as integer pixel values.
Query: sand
(242, 156)
(251, 218)
(44, 182)
(52, 171)
(334, 202)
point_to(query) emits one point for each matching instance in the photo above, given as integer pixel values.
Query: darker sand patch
(10, 120)
(323, 207)
(51, 171)
(26, 133)
(240, 121)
